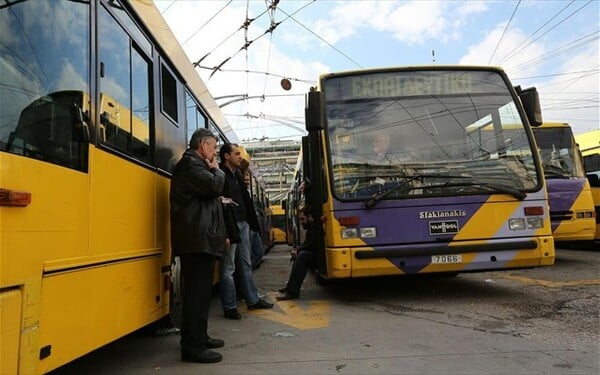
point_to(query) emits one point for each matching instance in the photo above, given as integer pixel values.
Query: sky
(550, 44)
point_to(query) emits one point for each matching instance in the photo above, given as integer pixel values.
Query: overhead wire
(504, 32)
(206, 23)
(509, 55)
(558, 51)
(554, 26)
(321, 39)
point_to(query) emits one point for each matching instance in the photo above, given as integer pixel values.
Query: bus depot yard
(527, 321)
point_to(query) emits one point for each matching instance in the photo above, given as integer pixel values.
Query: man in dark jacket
(242, 213)
(304, 257)
(198, 237)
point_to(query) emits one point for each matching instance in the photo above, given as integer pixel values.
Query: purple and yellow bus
(572, 212)
(407, 178)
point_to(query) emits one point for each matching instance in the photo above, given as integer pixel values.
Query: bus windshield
(557, 151)
(425, 133)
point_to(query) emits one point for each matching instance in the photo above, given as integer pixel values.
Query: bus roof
(156, 25)
(588, 141)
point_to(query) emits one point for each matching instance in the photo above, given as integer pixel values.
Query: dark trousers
(304, 260)
(196, 278)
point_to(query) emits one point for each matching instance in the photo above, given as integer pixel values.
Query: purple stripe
(562, 194)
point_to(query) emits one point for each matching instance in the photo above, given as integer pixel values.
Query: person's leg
(196, 277)
(303, 261)
(257, 249)
(226, 281)
(247, 286)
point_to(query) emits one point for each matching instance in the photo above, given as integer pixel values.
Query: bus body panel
(421, 228)
(589, 144)
(569, 195)
(571, 208)
(126, 295)
(11, 301)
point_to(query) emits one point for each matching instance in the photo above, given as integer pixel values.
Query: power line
(323, 40)
(556, 25)
(532, 34)
(504, 32)
(206, 23)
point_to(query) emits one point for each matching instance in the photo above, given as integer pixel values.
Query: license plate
(445, 259)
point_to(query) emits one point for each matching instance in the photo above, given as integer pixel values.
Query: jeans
(257, 248)
(227, 283)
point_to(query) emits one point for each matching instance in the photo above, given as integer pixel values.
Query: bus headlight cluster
(535, 222)
(517, 224)
(584, 214)
(349, 233)
(365, 232)
(368, 232)
(520, 223)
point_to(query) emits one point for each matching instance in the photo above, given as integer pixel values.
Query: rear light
(535, 210)
(349, 220)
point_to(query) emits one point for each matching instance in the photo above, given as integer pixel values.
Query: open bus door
(313, 166)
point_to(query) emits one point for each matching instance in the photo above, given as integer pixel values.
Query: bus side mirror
(284, 204)
(531, 103)
(313, 110)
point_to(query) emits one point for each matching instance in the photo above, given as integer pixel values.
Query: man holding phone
(198, 236)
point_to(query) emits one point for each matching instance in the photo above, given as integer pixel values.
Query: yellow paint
(10, 324)
(294, 314)
(548, 283)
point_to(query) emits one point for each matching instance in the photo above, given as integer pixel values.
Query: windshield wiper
(372, 201)
(520, 195)
(554, 171)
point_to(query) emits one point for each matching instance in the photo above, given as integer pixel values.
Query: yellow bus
(569, 195)
(94, 113)
(589, 144)
(278, 229)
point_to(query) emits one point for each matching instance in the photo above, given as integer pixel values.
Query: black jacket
(197, 224)
(230, 219)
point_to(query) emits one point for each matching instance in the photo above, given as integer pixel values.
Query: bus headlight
(516, 224)
(535, 222)
(349, 233)
(584, 215)
(368, 232)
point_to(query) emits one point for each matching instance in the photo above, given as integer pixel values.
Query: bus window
(45, 84)
(125, 105)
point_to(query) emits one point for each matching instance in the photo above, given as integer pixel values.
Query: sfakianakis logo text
(436, 214)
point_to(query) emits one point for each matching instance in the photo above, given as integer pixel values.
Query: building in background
(275, 161)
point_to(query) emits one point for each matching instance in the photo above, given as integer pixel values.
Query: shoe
(282, 290)
(206, 356)
(261, 304)
(233, 314)
(214, 343)
(286, 296)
